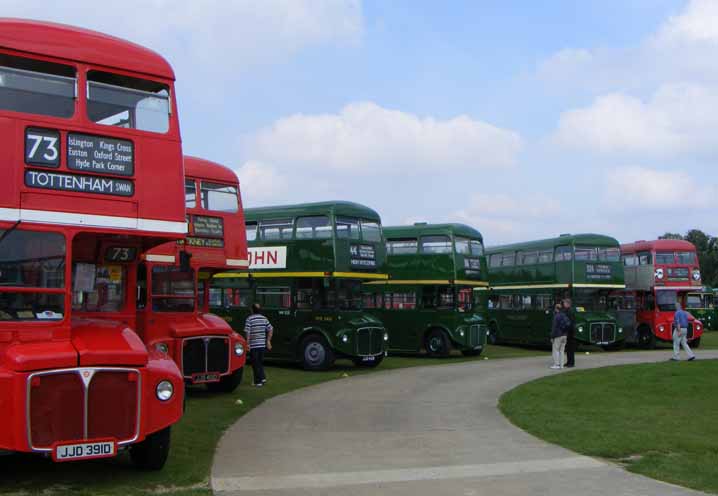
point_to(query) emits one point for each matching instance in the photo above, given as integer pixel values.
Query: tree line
(707, 248)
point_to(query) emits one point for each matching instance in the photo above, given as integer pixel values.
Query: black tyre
(493, 337)
(369, 364)
(151, 454)
(696, 343)
(228, 383)
(646, 338)
(316, 353)
(471, 353)
(437, 343)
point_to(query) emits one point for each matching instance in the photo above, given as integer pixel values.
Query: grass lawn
(193, 439)
(658, 420)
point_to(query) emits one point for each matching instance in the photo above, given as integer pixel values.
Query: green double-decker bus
(701, 304)
(528, 279)
(307, 264)
(434, 299)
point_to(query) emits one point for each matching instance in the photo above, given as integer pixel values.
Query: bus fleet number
(42, 147)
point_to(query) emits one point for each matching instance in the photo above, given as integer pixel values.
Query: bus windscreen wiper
(7, 233)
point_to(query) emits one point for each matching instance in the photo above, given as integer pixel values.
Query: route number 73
(42, 147)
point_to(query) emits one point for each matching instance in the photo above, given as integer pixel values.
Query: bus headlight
(164, 390)
(238, 349)
(580, 328)
(661, 328)
(386, 336)
(162, 347)
(620, 330)
(461, 333)
(345, 339)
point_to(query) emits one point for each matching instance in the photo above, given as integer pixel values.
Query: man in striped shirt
(259, 336)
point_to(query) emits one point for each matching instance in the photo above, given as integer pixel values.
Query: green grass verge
(193, 439)
(658, 420)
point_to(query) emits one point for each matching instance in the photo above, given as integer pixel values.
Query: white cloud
(645, 188)
(697, 23)
(208, 36)
(364, 137)
(505, 218)
(678, 118)
(261, 183)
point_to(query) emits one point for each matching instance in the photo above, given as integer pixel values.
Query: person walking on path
(680, 334)
(259, 336)
(570, 334)
(559, 328)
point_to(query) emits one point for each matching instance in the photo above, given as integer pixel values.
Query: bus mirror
(184, 259)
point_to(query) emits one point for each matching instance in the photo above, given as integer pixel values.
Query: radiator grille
(370, 341)
(205, 354)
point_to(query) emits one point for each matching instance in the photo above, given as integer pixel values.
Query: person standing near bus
(558, 336)
(680, 334)
(570, 334)
(259, 336)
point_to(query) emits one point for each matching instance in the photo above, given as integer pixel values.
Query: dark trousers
(257, 357)
(570, 350)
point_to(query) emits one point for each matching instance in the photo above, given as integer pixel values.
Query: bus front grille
(603, 333)
(474, 335)
(205, 354)
(369, 341)
(83, 403)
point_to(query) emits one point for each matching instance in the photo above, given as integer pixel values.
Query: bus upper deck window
(663, 257)
(123, 101)
(462, 246)
(686, 257)
(401, 246)
(563, 254)
(477, 248)
(251, 229)
(435, 244)
(314, 227)
(583, 253)
(370, 231)
(190, 193)
(37, 87)
(275, 229)
(218, 197)
(347, 228)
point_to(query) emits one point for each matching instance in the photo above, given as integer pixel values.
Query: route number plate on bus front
(84, 451)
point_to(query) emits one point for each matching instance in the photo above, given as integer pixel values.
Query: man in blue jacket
(680, 334)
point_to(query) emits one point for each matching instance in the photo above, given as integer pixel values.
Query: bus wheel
(646, 339)
(316, 353)
(437, 344)
(472, 353)
(228, 383)
(151, 454)
(493, 333)
(696, 343)
(369, 365)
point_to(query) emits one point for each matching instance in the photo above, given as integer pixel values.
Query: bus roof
(587, 239)
(349, 209)
(422, 228)
(658, 244)
(83, 45)
(205, 169)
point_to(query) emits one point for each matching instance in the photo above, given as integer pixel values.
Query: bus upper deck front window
(435, 244)
(348, 228)
(37, 87)
(665, 257)
(218, 197)
(370, 231)
(463, 246)
(686, 257)
(123, 101)
(173, 290)
(32, 275)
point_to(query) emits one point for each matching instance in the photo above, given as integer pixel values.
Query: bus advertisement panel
(528, 279)
(93, 178)
(173, 311)
(434, 300)
(307, 266)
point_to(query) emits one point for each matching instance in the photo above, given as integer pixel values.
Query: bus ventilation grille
(205, 354)
(603, 333)
(369, 341)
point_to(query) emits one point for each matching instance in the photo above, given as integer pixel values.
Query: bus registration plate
(85, 450)
(206, 377)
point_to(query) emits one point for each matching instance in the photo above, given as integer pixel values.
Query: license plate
(368, 359)
(208, 377)
(84, 451)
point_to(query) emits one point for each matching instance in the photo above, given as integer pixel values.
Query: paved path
(417, 431)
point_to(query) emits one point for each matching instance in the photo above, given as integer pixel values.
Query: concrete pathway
(417, 431)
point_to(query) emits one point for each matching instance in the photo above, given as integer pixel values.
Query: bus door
(623, 305)
(539, 308)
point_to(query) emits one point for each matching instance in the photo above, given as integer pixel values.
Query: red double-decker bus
(658, 275)
(173, 313)
(92, 178)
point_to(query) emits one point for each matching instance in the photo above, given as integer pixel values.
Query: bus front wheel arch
(315, 353)
(151, 454)
(646, 338)
(493, 332)
(437, 343)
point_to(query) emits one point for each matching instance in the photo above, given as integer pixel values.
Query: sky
(522, 119)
